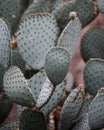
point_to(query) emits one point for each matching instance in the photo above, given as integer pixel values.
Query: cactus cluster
(34, 70)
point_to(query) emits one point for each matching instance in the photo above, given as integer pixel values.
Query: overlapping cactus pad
(70, 35)
(71, 108)
(96, 111)
(36, 34)
(57, 64)
(5, 38)
(16, 87)
(93, 75)
(84, 8)
(92, 44)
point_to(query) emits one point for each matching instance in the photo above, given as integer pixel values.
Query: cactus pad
(101, 5)
(82, 123)
(57, 64)
(10, 10)
(54, 100)
(85, 10)
(37, 33)
(36, 83)
(70, 36)
(92, 44)
(32, 120)
(96, 111)
(93, 75)
(16, 87)
(4, 44)
(45, 93)
(71, 108)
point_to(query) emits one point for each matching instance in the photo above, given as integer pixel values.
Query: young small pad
(37, 33)
(57, 64)
(70, 36)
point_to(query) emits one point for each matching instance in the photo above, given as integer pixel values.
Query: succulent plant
(82, 123)
(96, 111)
(93, 75)
(71, 108)
(92, 44)
(57, 63)
(36, 34)
(85, 10)
(71, 34)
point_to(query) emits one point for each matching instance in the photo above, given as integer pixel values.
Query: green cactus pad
(93, 75)
(57, 64)
(55, 99)
(10, 10)
(36, 7)
(69, 81)
(16, 87)
(45, 93)
(92, 44)
(96, 111)
(32, 120)
(20, 109)
(36, 34)
(17, 60)
(101, 5)
(85, 106)
(5, 37)
(82, 123)
(36, 83)
(70, 36)
(5, 108)
(85, 10)
(71, 108)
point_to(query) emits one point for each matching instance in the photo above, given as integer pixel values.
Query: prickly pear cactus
(32, 120)
(93, 75)
(70, 35)
(71, 108)
(96, 111)
(56, 97)
(36, 34)
(36, 83)
(101, 5)
(82, 123)
(92, 44)
(5, 38)
(84, 8)
(16, 87)
(57, 63)
(11, 11)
